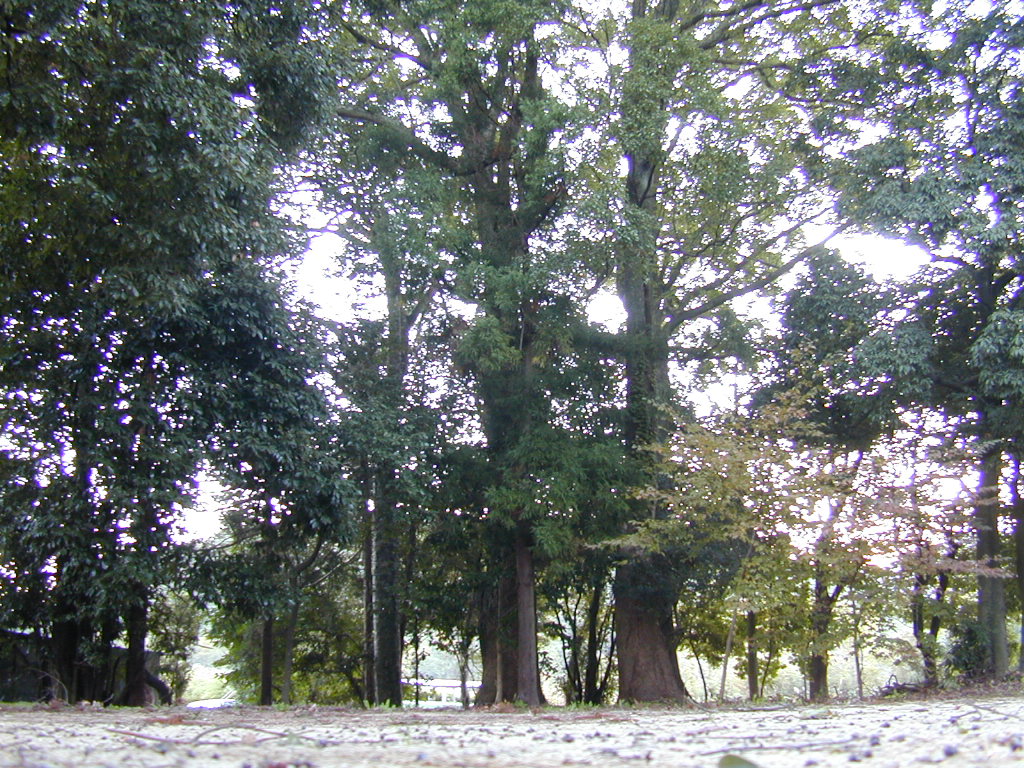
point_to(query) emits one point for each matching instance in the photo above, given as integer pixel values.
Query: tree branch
(401, 136)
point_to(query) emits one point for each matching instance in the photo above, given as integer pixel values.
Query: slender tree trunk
(267, 662)
(700, 671)
(592, 693)
(922, 638)
(752, 672)
(1018, 550)
(369, 683)
(769, 660)
(857, 667)
(463, 660)
(991, 589)
(730, 638)
(289, 651)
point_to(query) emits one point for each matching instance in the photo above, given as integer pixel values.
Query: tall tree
(946, 175)
(493, 130)
(133, 171)
(713, 129)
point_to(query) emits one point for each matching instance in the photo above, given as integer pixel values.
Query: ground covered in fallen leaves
(964, 731)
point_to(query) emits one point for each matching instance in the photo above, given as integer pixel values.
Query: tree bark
(528, 673)
(508, 652)
(593, 690)
(821, 618)
(288, 654)
(488, 691)
(648, 669)
(136, 691)
(498, 634)
(63, 676)
(991, 589)
(645, 641)
(753, 676)
(267, 662)
(1017, 510)
(387, 625)
(817, 670)
(369, 683)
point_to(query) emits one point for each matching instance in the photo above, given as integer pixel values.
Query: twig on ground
(198, 740)
(781, 747)
(994, 711)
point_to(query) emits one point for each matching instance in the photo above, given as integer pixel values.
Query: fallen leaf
(735, 761)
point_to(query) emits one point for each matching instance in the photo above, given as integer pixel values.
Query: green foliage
(491, 167)
(968, 652)
(175, 622)
(327, 639)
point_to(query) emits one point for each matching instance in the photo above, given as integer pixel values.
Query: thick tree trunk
(528, 673)
(136, 691)
(817, 671)
(821, 619)
(991, 589)
(63, 676)
(645, 640)
(508, 652)
(267, 662)
(1018, 548)
(498, 629)
(488, 691)
(387, 623)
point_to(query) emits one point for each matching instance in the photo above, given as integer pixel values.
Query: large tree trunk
(487, 694)
(991, 589)
(821, 619)
(528, 673)
(645, 638)
(136, 691)
(508, 637)
(63, 673)
(817, 671)
(498, 646)
(387, 624)
(648, 669)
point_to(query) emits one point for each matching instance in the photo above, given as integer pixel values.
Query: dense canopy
(612, 391)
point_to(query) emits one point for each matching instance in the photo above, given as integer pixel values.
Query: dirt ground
(975, 731)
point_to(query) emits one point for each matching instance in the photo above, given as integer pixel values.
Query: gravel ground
(977, 731)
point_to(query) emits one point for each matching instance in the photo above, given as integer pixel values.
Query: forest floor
(974, 730)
